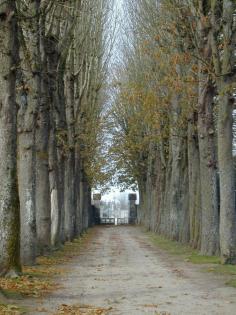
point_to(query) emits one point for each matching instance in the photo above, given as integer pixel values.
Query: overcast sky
(116, 191)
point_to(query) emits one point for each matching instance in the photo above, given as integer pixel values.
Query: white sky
(115, 191)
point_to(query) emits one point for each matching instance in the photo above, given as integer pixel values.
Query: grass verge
(189, 254)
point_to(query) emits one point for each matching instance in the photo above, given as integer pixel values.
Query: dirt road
(123, 271)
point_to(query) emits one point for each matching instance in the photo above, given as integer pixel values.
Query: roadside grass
(228, 270)
(231, 283)
(39, 280)
(176, 248)
(188, 254)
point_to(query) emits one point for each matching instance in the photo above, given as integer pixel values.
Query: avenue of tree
(166, 125)
(52, 73)
(172, 119)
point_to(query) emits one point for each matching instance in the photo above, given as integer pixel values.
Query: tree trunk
(142, 203)
(70, 194)
(61, 146)
(70, 204)
(28, 82)
(206, 139)
(160, 190)
(56, 206)
(194, 183)
(54, 190)
(224, 66)
(9, 199)
(208, 170)
(26, 176)
(165, 206)
(43, 200)
(84, 201)
(227, 180)
(78, 215)
(178, 193)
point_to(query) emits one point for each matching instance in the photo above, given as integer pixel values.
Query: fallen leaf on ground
(27, 286)
(81, 310)
(150, 305)
(10, 310)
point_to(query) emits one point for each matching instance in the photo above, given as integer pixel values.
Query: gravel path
(123, 271)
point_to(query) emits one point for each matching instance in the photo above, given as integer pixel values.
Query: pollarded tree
(162, 71)
(223, 39)
(196, 41)
(59, 39)
(90, 69)
(28, 91)
(9, 200)
(207, 136)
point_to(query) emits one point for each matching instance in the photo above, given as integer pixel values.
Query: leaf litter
(81, 310)
(38, 280)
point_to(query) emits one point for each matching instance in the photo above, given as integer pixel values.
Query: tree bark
(227, 180)
(54, 191)
(70, 189)
(28, 82)
(9, 199)
(206, 139)
(84, 201)
(194, 183)
(26, 176)
(224, 66)
(43, 200)
(208, 170)
(142, 202)
(178, 193)
(53, 56)
(78, 214)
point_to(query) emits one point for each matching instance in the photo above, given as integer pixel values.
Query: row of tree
(172, 119)
(52, 72)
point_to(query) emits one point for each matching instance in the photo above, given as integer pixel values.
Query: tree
(169, 92)
(223, 38)
(27, 94)
(9, 198)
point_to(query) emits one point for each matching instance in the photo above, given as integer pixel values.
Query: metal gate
(119, 221)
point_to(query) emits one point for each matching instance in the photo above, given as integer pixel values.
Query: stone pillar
(132, 209)
(96, 207)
